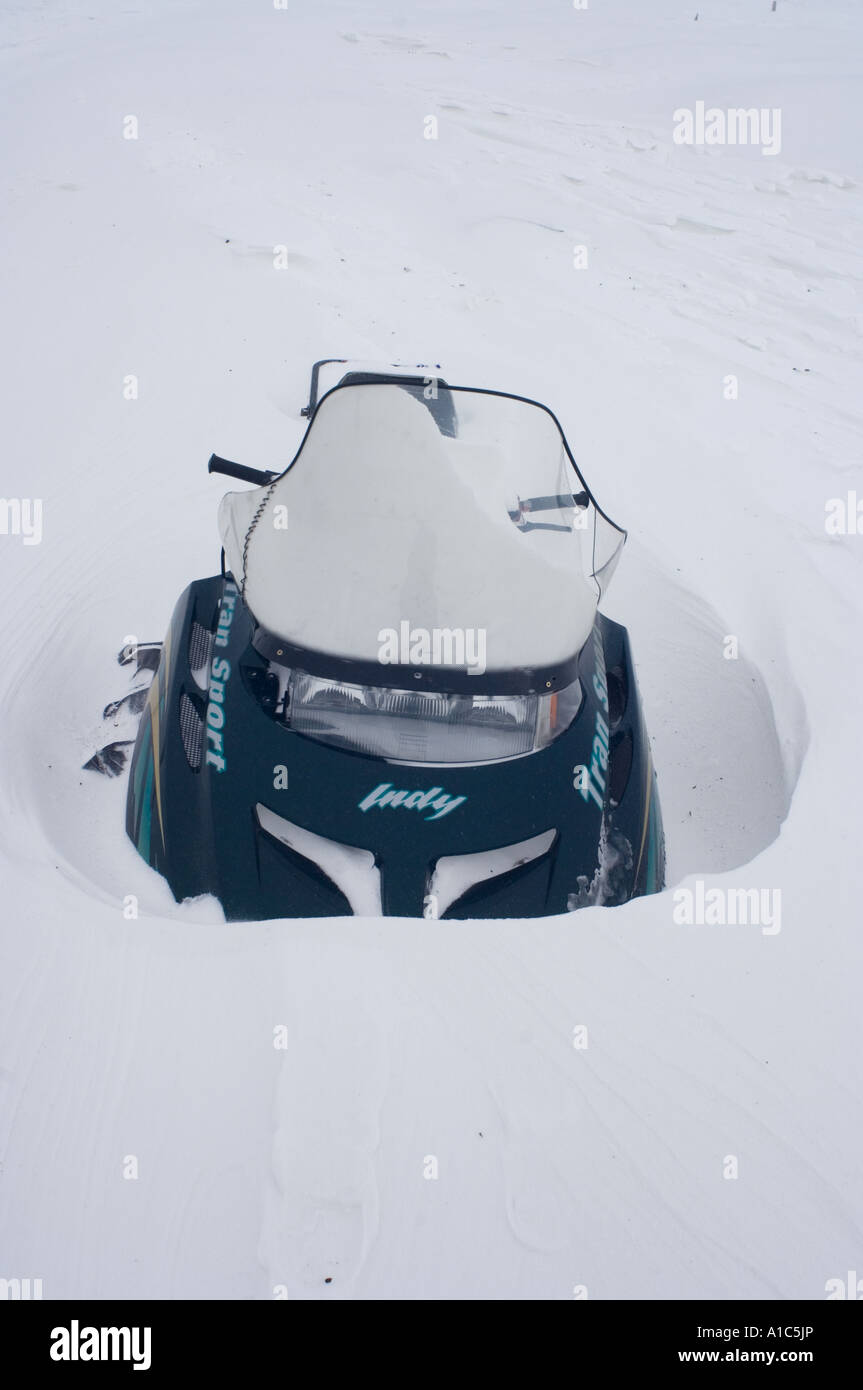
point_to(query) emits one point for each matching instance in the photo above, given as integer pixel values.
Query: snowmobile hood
(233, 793)
(416, 508)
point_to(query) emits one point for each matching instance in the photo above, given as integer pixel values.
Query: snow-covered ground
(604, 1167)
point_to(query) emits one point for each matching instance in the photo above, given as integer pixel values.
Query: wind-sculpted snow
(615, 1101)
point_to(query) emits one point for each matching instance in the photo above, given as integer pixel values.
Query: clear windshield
(426, 525)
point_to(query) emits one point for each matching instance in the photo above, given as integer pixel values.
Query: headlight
(409, 726)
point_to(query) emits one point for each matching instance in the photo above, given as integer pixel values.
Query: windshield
(422, 524)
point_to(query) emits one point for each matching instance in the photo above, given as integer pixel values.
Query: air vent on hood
(200, 650)
(455, 874)
(191, 731)
(352, 870)
(620, 760)
(618, 694)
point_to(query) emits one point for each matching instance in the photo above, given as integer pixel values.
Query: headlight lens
(423, 727)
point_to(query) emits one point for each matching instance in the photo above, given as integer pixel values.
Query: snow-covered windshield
(424, 524)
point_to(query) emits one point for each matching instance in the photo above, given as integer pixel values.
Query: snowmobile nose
(413, 885)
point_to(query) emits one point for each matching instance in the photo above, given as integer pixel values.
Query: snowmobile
(398, 696)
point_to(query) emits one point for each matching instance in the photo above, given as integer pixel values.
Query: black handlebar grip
(259, 476)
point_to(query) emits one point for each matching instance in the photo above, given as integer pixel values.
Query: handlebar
(259, 476)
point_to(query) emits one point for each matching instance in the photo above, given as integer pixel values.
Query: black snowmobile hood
(225, 800)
